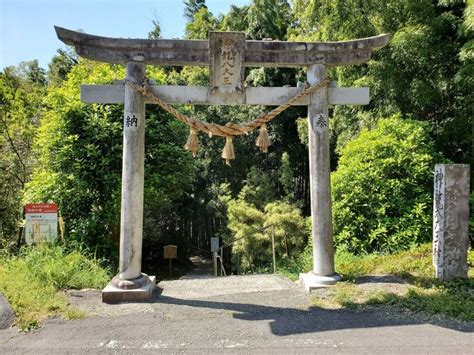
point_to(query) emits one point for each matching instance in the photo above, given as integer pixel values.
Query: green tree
(422, 74)
(191, 7)
(156, 32)
(203, 22)
(259, 188)
(60, 65)
(32, 72)
(236, 19)
(21, 95)
(382, 188)
(269, 19)
(254, 251)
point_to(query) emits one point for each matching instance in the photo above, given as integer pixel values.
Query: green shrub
(382, 188)
(283, 219)
(32, 280)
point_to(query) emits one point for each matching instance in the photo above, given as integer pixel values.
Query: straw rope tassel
(192, 144)
(228, 152)
(262, 140)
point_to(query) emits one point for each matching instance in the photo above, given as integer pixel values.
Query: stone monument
(451, 220)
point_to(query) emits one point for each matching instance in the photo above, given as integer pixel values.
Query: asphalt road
(247, 314)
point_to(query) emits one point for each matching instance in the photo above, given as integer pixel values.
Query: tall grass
(32, 281)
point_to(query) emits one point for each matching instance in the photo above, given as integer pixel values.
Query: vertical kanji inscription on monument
(451, 220)
(226, 50)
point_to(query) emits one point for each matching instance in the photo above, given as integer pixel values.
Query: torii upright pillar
(131, 284)
(323, 273)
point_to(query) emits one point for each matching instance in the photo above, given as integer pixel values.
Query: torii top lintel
(196, 52)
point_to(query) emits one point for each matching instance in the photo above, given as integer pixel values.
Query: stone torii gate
(226, 54)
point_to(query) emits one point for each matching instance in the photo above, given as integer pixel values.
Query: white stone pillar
(323, 273)
(130, 284)
(131, 217)
(451, 220)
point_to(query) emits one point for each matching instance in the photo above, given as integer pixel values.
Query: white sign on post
(214, 244)
(41, 222)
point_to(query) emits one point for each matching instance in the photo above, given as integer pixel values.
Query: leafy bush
(32, 280)
(382, 188)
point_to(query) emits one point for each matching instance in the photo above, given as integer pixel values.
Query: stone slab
(112, 294)
(311, 282)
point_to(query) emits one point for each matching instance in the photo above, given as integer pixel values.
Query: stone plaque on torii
(226, 54)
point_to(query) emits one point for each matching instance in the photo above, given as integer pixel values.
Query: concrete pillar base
(114, 294)
(311, 281)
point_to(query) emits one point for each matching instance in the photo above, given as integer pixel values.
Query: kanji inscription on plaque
(226, 53)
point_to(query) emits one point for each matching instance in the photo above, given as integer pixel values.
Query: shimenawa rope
(230, 129)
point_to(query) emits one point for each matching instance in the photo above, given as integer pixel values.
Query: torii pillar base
(311, 281)
(116, 292)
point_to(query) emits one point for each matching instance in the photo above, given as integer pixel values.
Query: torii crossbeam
(226, 54)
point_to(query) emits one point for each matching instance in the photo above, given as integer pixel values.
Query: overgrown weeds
(32, 281)
(407, 282)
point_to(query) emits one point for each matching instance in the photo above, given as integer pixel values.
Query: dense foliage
(382, 188)
(55, 148)
(21, 107)
(426, 73)
(80, 147)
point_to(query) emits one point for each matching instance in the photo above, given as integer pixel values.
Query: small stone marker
(170, 252)
(451, 220)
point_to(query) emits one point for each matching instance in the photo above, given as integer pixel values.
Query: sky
(27, 32)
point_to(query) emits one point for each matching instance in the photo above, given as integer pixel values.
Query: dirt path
(256, 314)
(202, 268)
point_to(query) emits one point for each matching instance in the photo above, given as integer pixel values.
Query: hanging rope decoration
(230, 129)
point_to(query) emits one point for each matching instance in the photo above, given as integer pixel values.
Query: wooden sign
(170, 251)
(226, 56)
(41, 222)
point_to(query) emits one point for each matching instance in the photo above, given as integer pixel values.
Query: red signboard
(41, 208)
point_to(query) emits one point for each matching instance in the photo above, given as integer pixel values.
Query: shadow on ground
(288, 321)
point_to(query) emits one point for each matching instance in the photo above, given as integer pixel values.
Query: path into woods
(237, 314)
(202, 268)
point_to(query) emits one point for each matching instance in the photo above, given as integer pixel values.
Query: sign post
(214, 250)
(170, 252)
(273, 250)
(41, 222)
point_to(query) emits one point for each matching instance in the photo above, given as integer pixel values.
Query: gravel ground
(241, 314)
